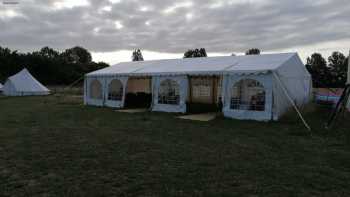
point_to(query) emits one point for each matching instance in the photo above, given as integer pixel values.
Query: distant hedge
(49, 66)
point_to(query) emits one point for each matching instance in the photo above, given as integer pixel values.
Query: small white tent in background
(24, 84)
(1, 87)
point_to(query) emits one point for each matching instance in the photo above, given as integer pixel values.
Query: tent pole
(291, 101)
(190, 88)
(75, 82)
(213, 95)
(85, 91)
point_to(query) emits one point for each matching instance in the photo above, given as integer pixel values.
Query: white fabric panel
(265, 80)
(198, 66)
(298, 83)
(297, 89)
(24, 84)
(9, 88)
(296, 79)
(183, 83)
(92, 101)
(281, 102)
(111, 103)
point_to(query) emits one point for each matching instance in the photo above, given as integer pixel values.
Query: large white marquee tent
(24, 84)
(259, 87)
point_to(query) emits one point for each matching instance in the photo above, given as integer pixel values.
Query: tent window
(115, 90)
(95, 90)
(169, 92)
(248, 94)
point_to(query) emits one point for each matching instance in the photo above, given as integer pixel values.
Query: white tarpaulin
(24, 84)
(115, 103)
(182, 82)
(230, 80)
(260, 71)
(197, 66)
(102, 88)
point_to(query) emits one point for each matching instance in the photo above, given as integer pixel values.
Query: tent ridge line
(224, 72)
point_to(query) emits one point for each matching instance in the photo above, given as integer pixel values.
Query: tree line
(52, 67)
(49, 66)
(331, 73)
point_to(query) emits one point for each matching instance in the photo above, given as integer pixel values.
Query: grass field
(55, 146)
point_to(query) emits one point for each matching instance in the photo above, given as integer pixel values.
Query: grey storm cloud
(173, 26)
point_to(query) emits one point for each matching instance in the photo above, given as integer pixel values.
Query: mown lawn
(55, 146)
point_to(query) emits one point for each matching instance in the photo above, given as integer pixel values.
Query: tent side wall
(9, 89)
(96, 92)
(98, 95)
(88, 99)
(297, 82)
(182, 86)
(24, 84)
(265, 79)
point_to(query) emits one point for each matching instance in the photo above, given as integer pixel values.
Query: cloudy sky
(110, 29)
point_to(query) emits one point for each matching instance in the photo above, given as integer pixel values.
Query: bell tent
(24, 84)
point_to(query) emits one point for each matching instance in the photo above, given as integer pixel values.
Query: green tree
(49, 53)
(137, 55)
(317, 67)
(77, 55)
(337, 64)
(49, 66)
(195, 53)
(253, 51)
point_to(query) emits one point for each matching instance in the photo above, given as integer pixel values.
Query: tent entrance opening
(204, 94)
(138, 92)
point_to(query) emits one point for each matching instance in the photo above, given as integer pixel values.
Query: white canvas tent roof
(283, 76)
(23, 83)
(205, 65)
